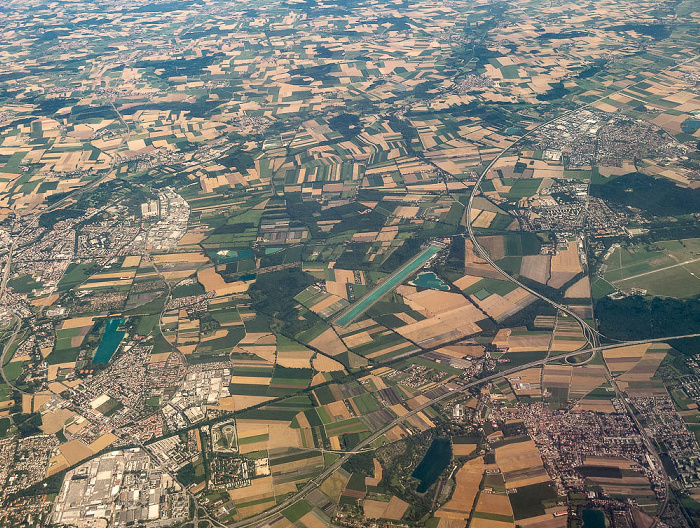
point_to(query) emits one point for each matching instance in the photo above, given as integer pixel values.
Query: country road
(315, 482)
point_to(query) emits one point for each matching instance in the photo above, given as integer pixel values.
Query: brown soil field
(580, 289)
(329, 343)
(536, 267)
(312, 520)
(493, 503)
(75, 451)
(559, 278)
(517, 456)
(433, 302)
(602, 406)
(53, 421)
(463, 449)
(494, 245)
(334, 485)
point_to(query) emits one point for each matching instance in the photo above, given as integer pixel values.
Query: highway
(591, 335)
(315, 482)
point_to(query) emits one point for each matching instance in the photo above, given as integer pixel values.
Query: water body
(429, 280)
(433, 464)
(110, 341)
(385, 287)
(593, 519)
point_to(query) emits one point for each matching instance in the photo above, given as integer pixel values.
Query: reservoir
(385, 287)
(433, 464)
(593, 519)
(429, 280)
(110, 341)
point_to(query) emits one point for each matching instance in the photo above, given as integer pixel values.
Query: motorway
(315, 482)
(591, 335)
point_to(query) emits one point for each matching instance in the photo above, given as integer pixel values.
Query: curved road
(312, 484)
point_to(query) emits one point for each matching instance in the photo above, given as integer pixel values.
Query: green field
(667, 268)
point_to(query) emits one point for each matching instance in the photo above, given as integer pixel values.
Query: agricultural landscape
(353, 264)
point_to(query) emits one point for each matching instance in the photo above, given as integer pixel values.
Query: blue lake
(593, 519)
(431, 281)
(433, 464)
(110, 341)
(385, 287)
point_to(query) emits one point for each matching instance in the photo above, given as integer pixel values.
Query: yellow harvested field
(250, 380)
(521, 343)
(77, 322)
(467, 482)
(169, 258)
(131, 261)
(254, 509)
(56, 464)
(433, 302)
(102, 442)
(356, 340)
(295, 359)
(446, 326)
(567, 261)
(45, 301)
(484, 219)
(158, 358)
(261, 487)
(601, 406)
(75, 451)
(325, 364)
(465, 282)
(520, 456)
(210, 279)
(338, 411)
(632, 351)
